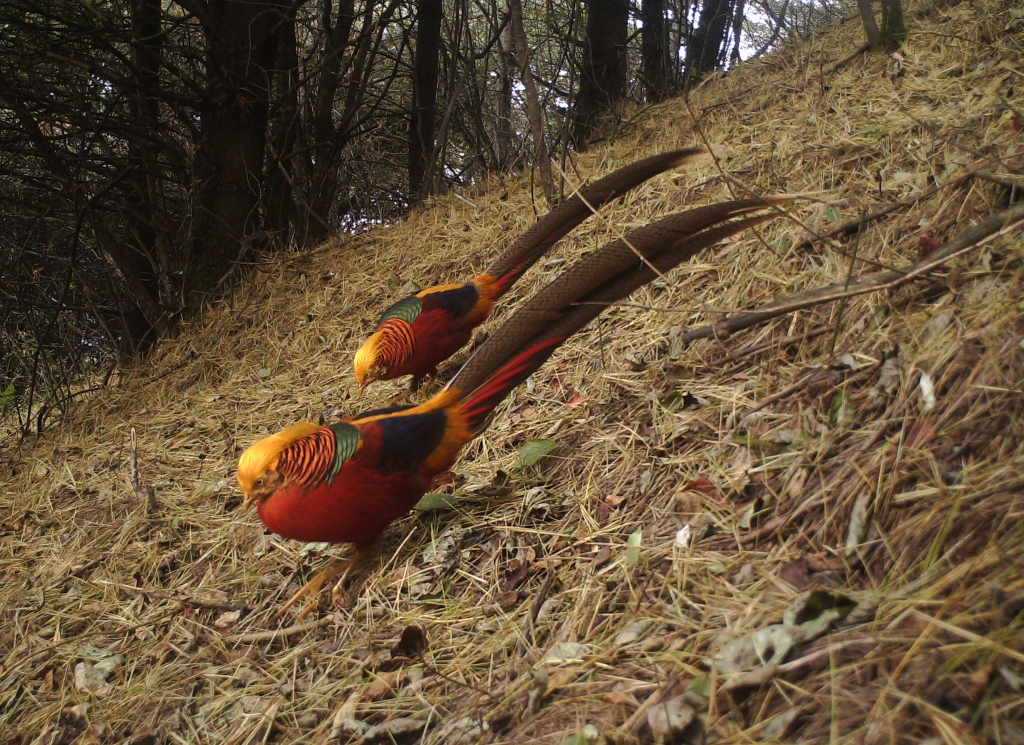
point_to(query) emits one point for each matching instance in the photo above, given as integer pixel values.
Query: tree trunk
(145, 219)
(737, 31)
(540, 148)
(867, 17)
(228, 168)
(503, 106)
(894, 30)
(323, 179)
(283, 135)
(654, 43)
(603, 79)
(705, 47)
(426, 69)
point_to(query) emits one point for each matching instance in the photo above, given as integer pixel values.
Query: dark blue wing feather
(383, 410)
(407, 441)
(457, 301)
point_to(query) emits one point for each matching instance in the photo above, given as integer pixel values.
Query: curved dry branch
(973, 237)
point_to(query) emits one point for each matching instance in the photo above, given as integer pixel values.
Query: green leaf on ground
(435, 502)
(532, 451)
(633, 546)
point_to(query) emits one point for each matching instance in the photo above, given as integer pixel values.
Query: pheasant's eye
(259, 482)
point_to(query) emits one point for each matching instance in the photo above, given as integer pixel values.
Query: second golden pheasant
(421, 331)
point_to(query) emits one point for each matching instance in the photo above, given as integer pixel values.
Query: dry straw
(870, 448)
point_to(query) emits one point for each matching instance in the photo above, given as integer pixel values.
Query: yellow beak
(248, 502)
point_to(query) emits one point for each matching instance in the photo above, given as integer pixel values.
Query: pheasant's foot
(423, 384)
(313, 586)
(337, 592)
(342, 567)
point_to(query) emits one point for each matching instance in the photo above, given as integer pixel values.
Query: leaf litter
(809, 448)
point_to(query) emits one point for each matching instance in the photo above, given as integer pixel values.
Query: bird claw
(322, 577)
(431, 380)
(417, 383)
(295, 599)
(310, 607)
(338, 599)
(313, 587)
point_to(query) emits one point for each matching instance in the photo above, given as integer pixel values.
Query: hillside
(868, 450)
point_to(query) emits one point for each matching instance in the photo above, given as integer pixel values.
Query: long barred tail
(582, 292)
(478, 406)
(551, 228)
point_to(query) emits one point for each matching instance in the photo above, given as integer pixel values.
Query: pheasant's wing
(458, 300)
(400, 438)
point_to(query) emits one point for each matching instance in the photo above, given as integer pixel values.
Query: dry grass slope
(805, 453)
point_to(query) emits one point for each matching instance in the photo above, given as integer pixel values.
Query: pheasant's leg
(432, 375)
(417, 381)
(354, 561)
(398, 398)
(313, 586)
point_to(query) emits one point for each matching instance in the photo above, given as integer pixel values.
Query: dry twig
(969, 239)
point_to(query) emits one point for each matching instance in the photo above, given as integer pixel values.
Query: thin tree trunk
(503, 106)
(154, 315)
(705, 47)
(323, 179)
(737, 30)
(540, 150)
(867, 17)
(603, 80)
(283, 135)
(894, 30)
(426, 69)
(228, 167)
(654, 43)
(144, 215)
(779, 22)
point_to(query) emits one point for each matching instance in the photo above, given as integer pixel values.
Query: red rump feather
(479, 404)
(506, 280)
(521, 264)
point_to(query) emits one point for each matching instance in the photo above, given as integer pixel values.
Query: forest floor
(811, 529)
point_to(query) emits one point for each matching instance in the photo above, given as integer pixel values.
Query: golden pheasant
(421, 331)
(348, 481)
